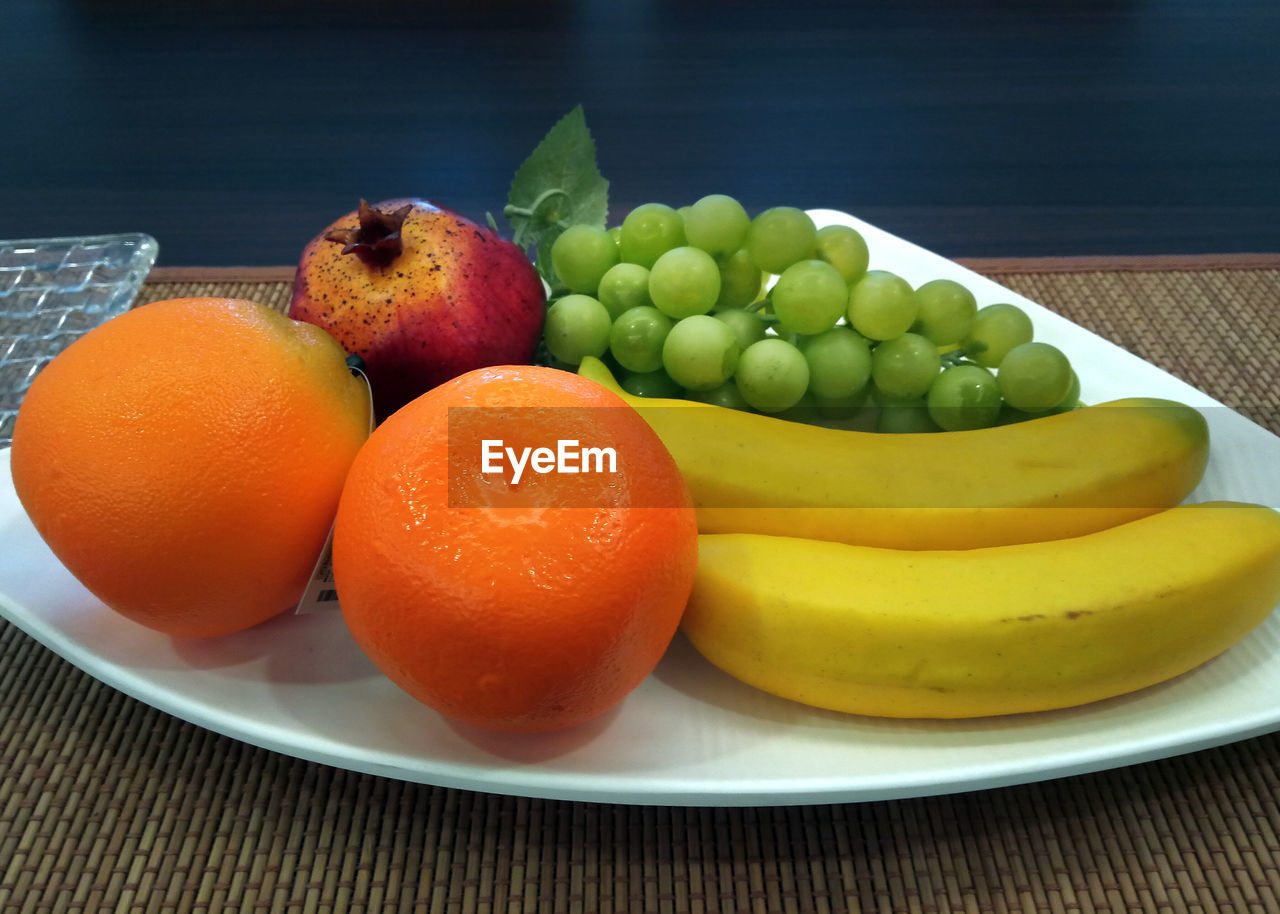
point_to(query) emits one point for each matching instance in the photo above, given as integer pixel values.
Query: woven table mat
(107, 804)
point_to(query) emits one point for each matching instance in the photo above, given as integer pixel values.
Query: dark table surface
(234, 131)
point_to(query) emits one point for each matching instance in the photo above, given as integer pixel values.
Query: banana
(1052, 477)
(1000, 630)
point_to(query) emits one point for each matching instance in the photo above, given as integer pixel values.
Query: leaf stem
(512, 209)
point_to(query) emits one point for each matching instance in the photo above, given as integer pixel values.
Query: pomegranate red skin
(457, 297)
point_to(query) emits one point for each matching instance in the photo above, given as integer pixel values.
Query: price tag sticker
(321, 594)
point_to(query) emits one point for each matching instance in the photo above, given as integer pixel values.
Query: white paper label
(321, 594)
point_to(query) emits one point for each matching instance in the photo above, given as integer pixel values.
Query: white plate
(689, 735)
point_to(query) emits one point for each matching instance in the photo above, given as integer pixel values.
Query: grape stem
(759, 308)
(530, 212)
(766, 317)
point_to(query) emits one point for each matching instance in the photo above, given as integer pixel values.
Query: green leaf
(557, 186)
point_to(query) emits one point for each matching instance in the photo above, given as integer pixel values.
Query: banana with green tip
(1046, 478)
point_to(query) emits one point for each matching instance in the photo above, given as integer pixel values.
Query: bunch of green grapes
(776, 315)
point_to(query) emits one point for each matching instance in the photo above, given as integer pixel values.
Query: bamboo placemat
(109, 805)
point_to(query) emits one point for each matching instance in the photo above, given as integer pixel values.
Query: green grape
(636, 338)
(906, 417)
(648, 232)
(1072, 399)
(1009, 414)
(996, 329)
(651, 384)
(740, 281)
(841, 407)
(683, 282)
(625, 286)
(772, 375)
(781, 236)
(803, 410)
(746, 326)
(1034, 377)
(616, 234)
(944, 311)
(845, 249)
(882, 305)
(839, 364)
(964, 397)
(904, 367)
(726, 395)
(809, 297)
(879, 398)
(717, 224)
(581, 255)
(576, 326)
(700, 352)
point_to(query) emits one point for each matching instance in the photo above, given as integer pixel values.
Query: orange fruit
(514, 604)
(184, 460)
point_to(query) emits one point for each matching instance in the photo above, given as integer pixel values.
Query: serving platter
(690, 735)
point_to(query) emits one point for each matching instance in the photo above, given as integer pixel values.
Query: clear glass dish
(54, 290)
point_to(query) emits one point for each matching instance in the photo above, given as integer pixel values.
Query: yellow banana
(1001, 630)
(1048, 478)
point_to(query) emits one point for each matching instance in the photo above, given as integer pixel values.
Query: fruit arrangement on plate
(850, 490)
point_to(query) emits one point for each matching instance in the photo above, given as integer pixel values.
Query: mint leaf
(557, 186)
